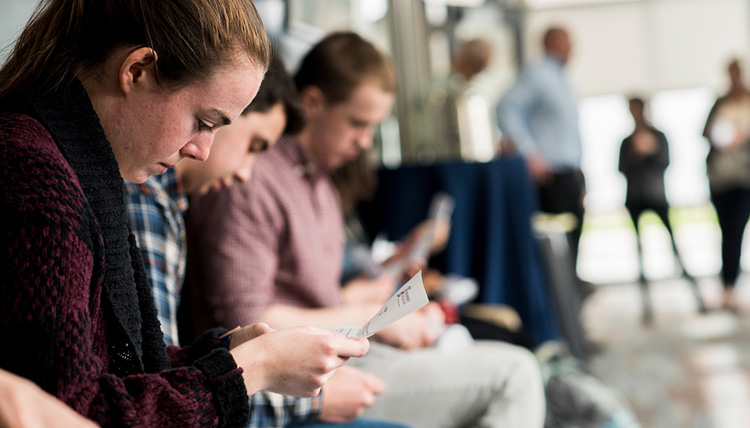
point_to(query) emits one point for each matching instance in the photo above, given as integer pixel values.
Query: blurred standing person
(644, 157)
(457, 115)
(539, 113)
(728, 167)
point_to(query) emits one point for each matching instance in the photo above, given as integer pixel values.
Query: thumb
(258, 329)
(249, 332)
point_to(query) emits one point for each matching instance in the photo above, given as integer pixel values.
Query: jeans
(359, 423)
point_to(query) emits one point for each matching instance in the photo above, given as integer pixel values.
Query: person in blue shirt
(539, 114)
(156, 208)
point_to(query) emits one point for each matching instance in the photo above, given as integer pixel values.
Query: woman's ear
(313, 99)
(137, 70)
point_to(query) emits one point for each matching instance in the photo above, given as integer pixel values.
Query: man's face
(235, 148)
(341, 131)
(565, 47)
(560, 46)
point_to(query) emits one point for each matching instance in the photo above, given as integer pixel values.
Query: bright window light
(373, 10)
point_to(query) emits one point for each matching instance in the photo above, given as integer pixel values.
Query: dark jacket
(76, 312)
(645, 174)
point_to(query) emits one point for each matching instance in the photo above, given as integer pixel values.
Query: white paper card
(410, 297)
(441, 209)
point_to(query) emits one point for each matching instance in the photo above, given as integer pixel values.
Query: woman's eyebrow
(223, 116)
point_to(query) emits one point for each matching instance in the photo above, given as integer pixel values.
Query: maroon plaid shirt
(277, 239)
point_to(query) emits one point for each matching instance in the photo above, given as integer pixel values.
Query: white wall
(648, 45)
(673, 51)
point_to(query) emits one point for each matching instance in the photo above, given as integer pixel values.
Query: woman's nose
(198, 148)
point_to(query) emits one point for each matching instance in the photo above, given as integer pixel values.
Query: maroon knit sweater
(76, 312)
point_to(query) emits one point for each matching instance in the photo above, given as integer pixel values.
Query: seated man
(272, 250)
(356, 182)
(156, 210)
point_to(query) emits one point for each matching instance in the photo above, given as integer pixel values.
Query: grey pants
(491, 384)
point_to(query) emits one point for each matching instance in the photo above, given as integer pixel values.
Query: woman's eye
(203, 126)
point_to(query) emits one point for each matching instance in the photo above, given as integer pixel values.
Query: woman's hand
(295, 361)
(248, 332)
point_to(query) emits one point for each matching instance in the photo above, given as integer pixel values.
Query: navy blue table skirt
(491, 238)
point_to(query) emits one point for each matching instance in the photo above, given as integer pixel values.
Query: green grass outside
(679, 216)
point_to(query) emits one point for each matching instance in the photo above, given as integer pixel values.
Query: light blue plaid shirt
(156, 210)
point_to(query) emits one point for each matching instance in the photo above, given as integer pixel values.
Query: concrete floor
(685, 369)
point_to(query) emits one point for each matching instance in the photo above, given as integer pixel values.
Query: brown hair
(190, 37)
(340, 63)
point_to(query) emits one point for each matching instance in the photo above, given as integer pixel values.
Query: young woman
(97, 91)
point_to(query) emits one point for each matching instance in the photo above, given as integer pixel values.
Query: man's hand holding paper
(410, 297)
(414, 331)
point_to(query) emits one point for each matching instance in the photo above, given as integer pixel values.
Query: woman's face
(153, 129)
(234, 151)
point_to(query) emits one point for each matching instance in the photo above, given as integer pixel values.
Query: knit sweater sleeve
(51, 316)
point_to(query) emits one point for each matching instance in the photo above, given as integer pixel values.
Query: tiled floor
(686, 369)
